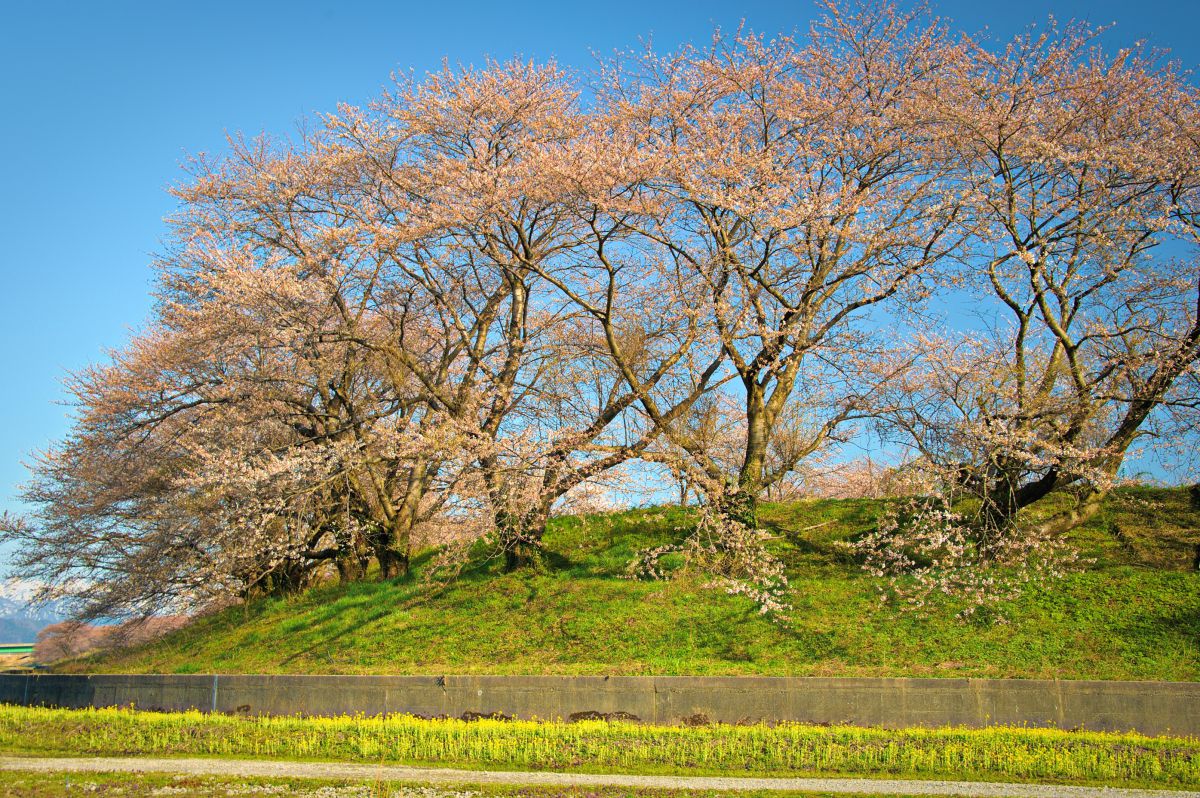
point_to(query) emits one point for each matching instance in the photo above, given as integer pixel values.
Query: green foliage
(994, 753)
(1132, 613)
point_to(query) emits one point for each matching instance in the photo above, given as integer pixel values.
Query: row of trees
(443, 316)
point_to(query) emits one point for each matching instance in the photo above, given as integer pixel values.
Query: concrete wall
(1148, 707)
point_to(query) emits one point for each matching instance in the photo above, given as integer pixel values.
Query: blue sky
(102, 101)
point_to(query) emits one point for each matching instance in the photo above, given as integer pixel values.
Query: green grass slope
(1131, 613)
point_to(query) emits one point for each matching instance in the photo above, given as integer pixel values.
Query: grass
(1004, 754)
(1133, 613)
(31, 784)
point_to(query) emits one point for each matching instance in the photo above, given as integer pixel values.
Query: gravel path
(340, 770)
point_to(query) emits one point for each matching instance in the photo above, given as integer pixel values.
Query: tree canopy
(494, 290)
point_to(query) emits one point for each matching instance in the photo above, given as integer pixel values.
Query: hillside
(1132, 613)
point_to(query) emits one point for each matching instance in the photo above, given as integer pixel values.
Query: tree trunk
(1005, 499)
(350, 567)
(740, 506)
(521, 539)
(1061, 523)
(285, 578)
(353, 556)
(524, 556)
(392, 563)
(997, 515)
(393, 547)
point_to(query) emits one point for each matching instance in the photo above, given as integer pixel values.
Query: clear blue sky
(101, 101)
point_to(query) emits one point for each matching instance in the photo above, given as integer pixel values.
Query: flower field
(1004, 754)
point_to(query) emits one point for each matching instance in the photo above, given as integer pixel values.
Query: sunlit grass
(1133, 613)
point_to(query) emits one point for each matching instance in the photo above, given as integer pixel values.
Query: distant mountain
(20, 621)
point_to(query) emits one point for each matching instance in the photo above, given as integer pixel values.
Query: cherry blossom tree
(1078, 180)
(473, 202)
(793, 190)
(493, 290)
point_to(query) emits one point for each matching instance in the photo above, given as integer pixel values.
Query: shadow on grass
(1155, 628)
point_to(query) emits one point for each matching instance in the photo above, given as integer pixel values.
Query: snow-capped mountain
(19, 620)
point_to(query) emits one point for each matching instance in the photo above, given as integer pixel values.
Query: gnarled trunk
(1081, 513)
(740, 506)
(521, 539)
(392, 563)
(392, 544)
(351, 568)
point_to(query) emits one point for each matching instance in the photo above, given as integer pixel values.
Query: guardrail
(1148, 707)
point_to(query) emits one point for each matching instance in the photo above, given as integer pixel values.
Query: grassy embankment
(1133, 613)
(1004, 754)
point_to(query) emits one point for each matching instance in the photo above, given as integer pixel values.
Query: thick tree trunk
(1061, 523)
(286, 578)
(997, 515)
(524, 556)
(521, 539)
(740, 506)
(1005, 500)
(354, 555)
(393, 548)
(392, 563)
(351, 568)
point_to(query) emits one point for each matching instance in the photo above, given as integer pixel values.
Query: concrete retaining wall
(1147, 707)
